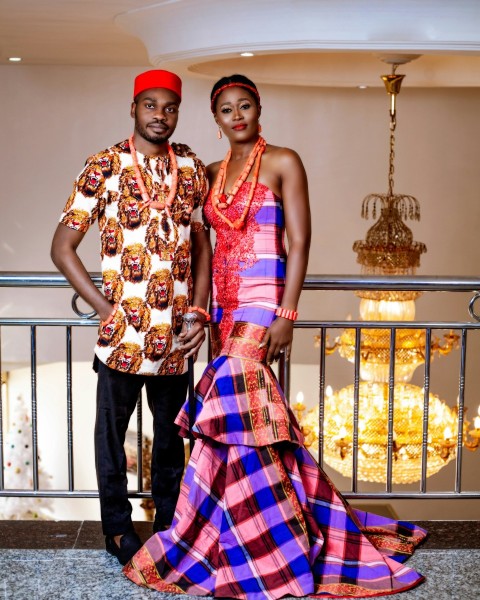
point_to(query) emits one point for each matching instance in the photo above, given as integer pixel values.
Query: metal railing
(19, 280)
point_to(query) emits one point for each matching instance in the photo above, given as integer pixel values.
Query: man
(155, 251)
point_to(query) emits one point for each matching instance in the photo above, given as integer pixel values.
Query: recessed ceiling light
(15, 59)
(247, 54)
(362, 86)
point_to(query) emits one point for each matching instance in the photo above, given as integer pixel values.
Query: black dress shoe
(129, 545)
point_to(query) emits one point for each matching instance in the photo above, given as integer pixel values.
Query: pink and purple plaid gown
(257, 518)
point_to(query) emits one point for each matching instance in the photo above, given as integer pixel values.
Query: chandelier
(373, 432)
(388, 249)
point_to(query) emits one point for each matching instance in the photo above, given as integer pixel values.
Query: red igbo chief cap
(157, 79)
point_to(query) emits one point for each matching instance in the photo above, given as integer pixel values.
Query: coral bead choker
(220, 200)
(167, 201)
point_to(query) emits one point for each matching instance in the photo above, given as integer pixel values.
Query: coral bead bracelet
(200, 310)
(292, 315)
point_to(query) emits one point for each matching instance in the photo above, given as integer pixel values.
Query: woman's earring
(259, 128)
(219, 133)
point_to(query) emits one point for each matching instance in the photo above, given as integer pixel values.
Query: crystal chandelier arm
(450, 343)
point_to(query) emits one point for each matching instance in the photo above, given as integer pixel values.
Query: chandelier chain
(391, 168)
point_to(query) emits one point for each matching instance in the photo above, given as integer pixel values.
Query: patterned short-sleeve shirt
(145, 253)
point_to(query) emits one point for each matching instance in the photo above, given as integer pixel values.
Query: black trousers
(117, 395)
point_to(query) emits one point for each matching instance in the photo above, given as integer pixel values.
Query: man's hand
(192, 339)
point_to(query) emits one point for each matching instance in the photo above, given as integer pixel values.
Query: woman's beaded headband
(229, 85)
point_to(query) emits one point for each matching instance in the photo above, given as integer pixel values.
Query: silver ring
(282, 351)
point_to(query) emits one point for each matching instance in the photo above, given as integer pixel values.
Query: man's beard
(153, 138)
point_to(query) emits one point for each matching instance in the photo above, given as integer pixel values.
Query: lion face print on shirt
(145, 254)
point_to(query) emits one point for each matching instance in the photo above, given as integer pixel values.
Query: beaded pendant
(166, 201)
(220, 200)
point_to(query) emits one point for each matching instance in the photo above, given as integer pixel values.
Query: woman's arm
(201, 275)
(298, 228)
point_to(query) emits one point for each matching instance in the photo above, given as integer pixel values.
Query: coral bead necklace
(167, 202)
(220, 200)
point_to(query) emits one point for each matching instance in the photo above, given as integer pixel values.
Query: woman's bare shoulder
(282, 157)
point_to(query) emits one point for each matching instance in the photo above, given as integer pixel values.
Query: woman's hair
(233, 81)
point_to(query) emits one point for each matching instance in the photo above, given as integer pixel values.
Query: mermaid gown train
(257, 518)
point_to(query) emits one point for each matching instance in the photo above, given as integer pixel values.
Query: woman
(257, 518)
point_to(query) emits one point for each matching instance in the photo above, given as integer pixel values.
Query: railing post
(461, 412)
(426, 405)
(71, 483)
(321, 406)
(33, 373)
(391, 400)
(139, 442)
(1, 417)
(356, 400)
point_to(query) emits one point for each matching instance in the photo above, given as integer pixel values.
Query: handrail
(50, 279)
(429, 283)
(432, 283)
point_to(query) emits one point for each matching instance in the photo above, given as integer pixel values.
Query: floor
(42, 560)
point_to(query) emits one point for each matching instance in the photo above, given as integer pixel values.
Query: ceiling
(69, 32)
(300, 42)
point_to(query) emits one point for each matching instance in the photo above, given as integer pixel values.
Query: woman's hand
(278, 339)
